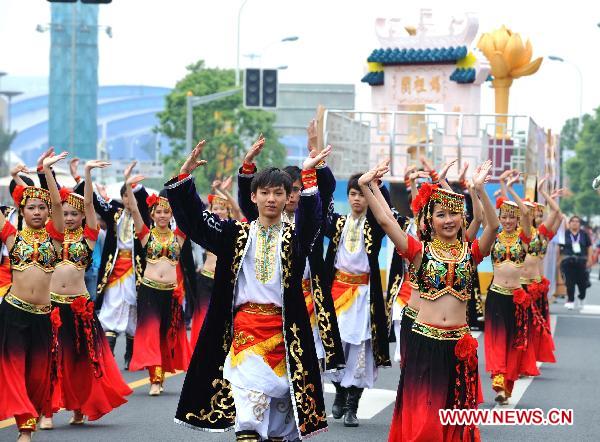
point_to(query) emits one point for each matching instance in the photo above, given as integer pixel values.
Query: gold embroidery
(66, 299)
(502, 290)
(339, 227)
(26, 306)
(323, 320)
(351, 278)
(411, 312)
(441, 334)
(227, 337)
(107, 270)
(260, 309)
(266, 251)
(392, 296)
(221, 404)
(352, 238)
(260, 404)
(368, 238)
(379, 358)
(286, 259)
(125, 228)
(303, 391)
(139, 272)
(165, 286)
(240, 245)
(240, 338)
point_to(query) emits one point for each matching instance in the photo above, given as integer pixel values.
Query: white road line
(372, 402)
(475, 334)
(591, 309)
(522, 384)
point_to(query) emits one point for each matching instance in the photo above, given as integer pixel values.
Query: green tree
(583, 167)
(227, 126)
(6, 139)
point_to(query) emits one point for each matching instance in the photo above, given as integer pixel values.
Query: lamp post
(237, 68)
(259, 55)
(579, 74)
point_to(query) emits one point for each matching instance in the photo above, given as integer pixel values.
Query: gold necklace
(452, 248)
(507, 239)
(163, 237)
(73, 235)
(32, 236)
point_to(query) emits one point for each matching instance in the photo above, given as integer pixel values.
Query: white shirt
(356, 262)
(127, 245)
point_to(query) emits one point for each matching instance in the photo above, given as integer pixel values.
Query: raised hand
(312, 134)
(255, 150)
(52, 159)
(315, 158)
(515, 178)
(558, 193)
(445, 169)
(463, 173)
(95, 164)
(216, 184)
(426, 164)
(192, 161)
(506, 174)
(540, 185)
(43, 156)
(136, 179)
(19, 168)
(101, 188)
(408, 170)
(129, 169)
(482, 174)
(367, 177)
(226, 184)
(73, 165)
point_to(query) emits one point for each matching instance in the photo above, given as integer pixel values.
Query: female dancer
(28, 329)
(440, 371)
(160, 342)
(89, 381)
(507, 305)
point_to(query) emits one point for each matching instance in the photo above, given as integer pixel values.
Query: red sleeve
(54, 234)
(182, 176)
(309, 178)
(143, 233)
(544, 231)
(90, 234)
(476, 252)
(526, 239)
(248, 168)
(179, 233)
(414, 247)
(7, 231)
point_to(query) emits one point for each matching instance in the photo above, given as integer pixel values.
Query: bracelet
(40, 169)
(309, 178)
(77, 178)
(248, 168)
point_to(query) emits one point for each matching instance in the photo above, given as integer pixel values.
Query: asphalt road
(571, 383)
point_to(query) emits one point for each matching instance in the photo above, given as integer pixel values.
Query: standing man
(577, 259)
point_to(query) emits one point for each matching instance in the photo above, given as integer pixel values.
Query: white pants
(268, 416)
(360, 370)
(118, 314)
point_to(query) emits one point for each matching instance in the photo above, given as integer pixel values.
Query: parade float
(426, 102)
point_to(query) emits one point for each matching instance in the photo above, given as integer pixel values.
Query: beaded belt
(207, 273)
(66, 299)
(527, 281)
(159, 285)
(124, 253)
(411, 312)
(442, 334)
(503, 290)
(26, 306)
(350, 278)
(306, 286)
(260, 309)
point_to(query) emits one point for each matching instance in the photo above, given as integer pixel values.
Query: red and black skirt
(160, 338)
(204, 289)
(88, 377)
(409, 315)
(28, 354)
(440, 373)
(540, 335)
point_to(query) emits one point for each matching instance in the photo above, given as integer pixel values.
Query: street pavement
(570, 383)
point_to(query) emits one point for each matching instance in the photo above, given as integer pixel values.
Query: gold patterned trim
(159, 285)
(502, 290)
(352, 279)
(260, 309)
(26, 306)
(207, 273)
(411, 312)
(527, 281)
(306, 286)
(221, 404)
(66, 299)
(323, 320)
(442, 334)
(124, 254)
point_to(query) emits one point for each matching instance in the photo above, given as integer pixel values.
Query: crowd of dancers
(273, 314)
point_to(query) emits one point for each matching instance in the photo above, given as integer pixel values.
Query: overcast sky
(154, 41)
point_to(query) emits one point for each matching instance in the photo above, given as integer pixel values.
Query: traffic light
(252, 88)
(269, 88)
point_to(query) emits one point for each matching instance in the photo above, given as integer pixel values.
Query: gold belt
(159, 285)
(350, 278)
(527, 281)
(207, 273)
(260, 309)
(66, 299)
(442, 334)
(27, 306)
(306, 286)
(124, 253)
(411, 312)
(503, 290)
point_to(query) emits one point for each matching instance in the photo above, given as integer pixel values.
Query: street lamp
(237, 68)
(258, 55)
(9, 95)
(562, 60)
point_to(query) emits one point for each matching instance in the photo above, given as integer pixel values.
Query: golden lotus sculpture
(509, 59)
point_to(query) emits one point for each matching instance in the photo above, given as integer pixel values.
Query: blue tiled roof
(391, 56)
(373, 78)
(463, 75)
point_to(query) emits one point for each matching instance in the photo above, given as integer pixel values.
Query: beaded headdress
(155, 200)
(454, 202)
(216, 199)
(72, 199)
(21, 194)
(509, 207)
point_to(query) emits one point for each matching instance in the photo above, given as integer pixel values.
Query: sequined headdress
(454, 202)
(216, 199)
(154, 200)
(72, 199)
(509, 207)
(21, 194)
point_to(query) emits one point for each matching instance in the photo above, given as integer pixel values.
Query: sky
(153, 41)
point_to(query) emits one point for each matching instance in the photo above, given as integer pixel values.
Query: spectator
(577, 259)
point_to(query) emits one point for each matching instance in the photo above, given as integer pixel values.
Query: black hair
(427, 213)
(271, 177)
(13, 184)
(123, 190)
(294, 172)
(353, 183)
(163, 193)
(575, 217)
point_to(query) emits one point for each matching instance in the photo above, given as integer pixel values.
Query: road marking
(372, 402)
(523, 383)
(133, 385)
(591, 309)
(476, 334)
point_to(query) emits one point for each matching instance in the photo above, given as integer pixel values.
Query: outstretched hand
(540, 185)
(96, 164)
(315, 158)
(52, 159)
(129, 169)
(73, 165)
(312, 135)
(463, 173)
(43, 156)
(482, 174)
(226, 184)
(192, 161)
(255, 150)
(446, 168)
(136, 179)
(515, 178)
(19, 168)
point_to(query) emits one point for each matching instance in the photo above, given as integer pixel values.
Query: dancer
(440, 371)
(507, 305)
(122, 265)
(161, 343)
(90, 383)
(256, 369)
(28, 329)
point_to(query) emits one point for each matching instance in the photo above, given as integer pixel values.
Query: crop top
(157, 248)
(413, 280)
(34, 248)
(509, 248)
(439, 275)
(75, 250)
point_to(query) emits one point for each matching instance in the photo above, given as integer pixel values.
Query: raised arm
(88, 192)
(492, 224)
(57, 211)
(225, 189)
(552, 221)
(525, 217)
(140, 226)
(15, 171)
(478, 217)
(246, 173)
(444, 172)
